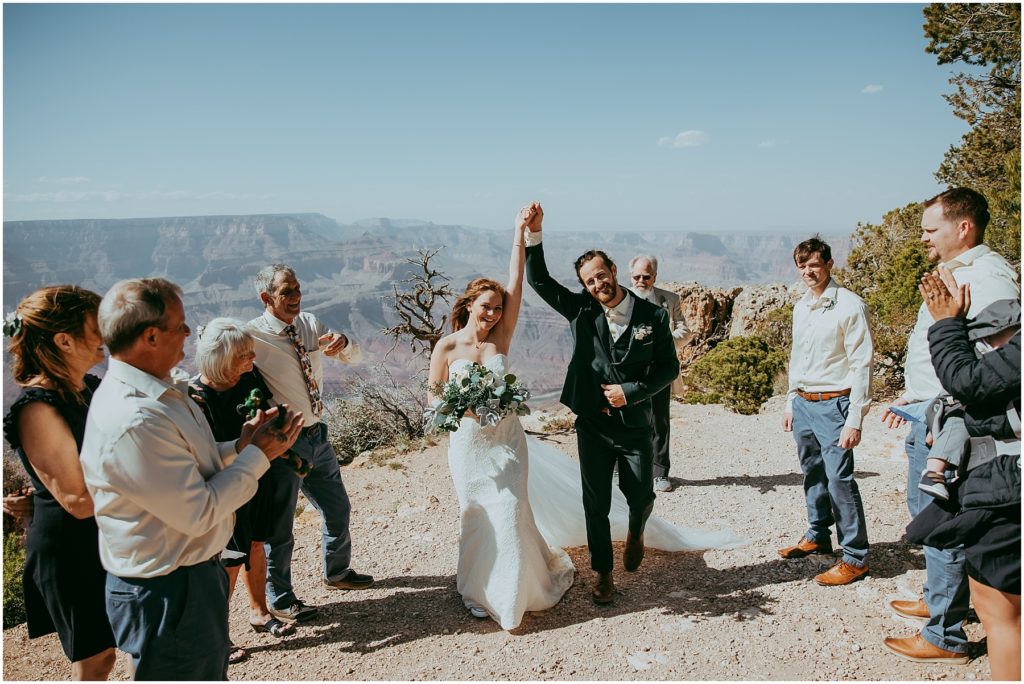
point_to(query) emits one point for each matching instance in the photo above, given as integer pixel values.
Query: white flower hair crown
(12, 324)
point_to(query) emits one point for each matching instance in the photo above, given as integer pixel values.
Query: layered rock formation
(347, 272)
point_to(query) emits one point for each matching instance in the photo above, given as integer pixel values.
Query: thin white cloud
(63, 180)
(684, 139)
(766, 144)
(871, 89)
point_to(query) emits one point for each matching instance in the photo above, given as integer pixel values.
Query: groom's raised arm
(558, 296)
(664, 366)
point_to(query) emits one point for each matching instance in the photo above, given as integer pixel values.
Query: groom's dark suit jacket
(642, 365)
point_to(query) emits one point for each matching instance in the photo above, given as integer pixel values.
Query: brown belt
(822, 396)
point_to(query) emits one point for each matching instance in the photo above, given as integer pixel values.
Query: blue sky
(657, 117)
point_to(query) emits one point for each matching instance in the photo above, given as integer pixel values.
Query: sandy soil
(719, 615)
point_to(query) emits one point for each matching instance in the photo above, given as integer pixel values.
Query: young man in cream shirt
(829, 394)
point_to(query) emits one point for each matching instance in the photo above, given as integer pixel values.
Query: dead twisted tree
(415, 303)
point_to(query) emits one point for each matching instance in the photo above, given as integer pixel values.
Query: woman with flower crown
(55, 340)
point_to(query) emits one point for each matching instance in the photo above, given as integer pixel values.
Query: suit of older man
(644, 273)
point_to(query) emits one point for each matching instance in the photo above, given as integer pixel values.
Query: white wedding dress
(520, 502)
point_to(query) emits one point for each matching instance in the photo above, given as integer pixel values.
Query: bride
(510, 555)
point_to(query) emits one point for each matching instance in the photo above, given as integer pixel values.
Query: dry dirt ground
(717, 615)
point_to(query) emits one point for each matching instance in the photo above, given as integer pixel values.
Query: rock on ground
(716, 615)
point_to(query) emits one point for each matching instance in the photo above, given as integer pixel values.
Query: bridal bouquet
(478, 389)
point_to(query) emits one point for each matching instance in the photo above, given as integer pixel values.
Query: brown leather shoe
(633, 554)
(912, 609)
(841, 573)
(917, 649)
(805, 547)
(604, 589)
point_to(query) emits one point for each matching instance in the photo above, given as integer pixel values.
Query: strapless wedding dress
(505, 565)
(521, 502)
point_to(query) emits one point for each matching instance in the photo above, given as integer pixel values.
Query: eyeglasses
(642, 276)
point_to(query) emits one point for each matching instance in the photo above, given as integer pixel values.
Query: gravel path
(717, 615)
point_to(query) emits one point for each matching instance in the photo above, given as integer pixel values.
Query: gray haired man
(643, 270)
(290, 345)
(164, 491)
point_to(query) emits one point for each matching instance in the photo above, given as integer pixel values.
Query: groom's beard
(606, 293)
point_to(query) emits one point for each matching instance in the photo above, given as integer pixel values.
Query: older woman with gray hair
(227, 387)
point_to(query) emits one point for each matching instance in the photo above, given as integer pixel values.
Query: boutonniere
(642, 331)
(829, 304)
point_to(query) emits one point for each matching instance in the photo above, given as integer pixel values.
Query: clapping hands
(272, 432)
(943, 297)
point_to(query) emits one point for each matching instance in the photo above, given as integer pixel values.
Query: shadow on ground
(677, 584)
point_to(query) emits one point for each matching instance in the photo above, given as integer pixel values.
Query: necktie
(307, 371)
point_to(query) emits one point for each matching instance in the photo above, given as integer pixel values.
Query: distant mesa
(347, 270)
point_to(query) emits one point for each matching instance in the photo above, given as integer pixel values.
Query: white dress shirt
(165, 493)
(832, 349)
(991, 278)
(278, 360)
(618, 316)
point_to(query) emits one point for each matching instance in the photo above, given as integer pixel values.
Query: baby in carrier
(952, 444)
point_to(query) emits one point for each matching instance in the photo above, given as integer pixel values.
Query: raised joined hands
(531, 216)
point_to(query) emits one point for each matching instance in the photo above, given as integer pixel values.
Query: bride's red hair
(460, 312)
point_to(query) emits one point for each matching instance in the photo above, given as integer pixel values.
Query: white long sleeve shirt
(991, 278)
(832, 349)
(164, 491)
(279, 362)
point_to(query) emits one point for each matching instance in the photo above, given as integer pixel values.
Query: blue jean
(945, 586)
(830, 490)
(175, 626)
(325, 490)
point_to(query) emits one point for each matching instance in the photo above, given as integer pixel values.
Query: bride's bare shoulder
(446, 344)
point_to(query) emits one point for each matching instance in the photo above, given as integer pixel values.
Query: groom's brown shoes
(604, 589)
(633, 554)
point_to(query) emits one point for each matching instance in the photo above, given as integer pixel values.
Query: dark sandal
(236, 654)
(275, 627)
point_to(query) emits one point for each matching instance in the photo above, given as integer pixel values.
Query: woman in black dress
(223, 390)
(54, 342)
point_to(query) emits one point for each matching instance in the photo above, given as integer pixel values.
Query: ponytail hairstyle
(40, 316)
(460, 312)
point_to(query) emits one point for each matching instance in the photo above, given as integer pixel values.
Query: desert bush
(565, 422)
(776, 328)
(14, 566)
(377, 413)
(739, 373)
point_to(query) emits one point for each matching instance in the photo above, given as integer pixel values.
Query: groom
(622, 356)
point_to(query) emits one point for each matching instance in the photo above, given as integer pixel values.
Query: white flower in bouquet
(477, 389)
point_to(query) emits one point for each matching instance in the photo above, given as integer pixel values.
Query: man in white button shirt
(829, 394)
(164, 491)
(643, 270)
(290, 345)
(953, 230)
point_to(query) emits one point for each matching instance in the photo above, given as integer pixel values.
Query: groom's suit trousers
(602, 442)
